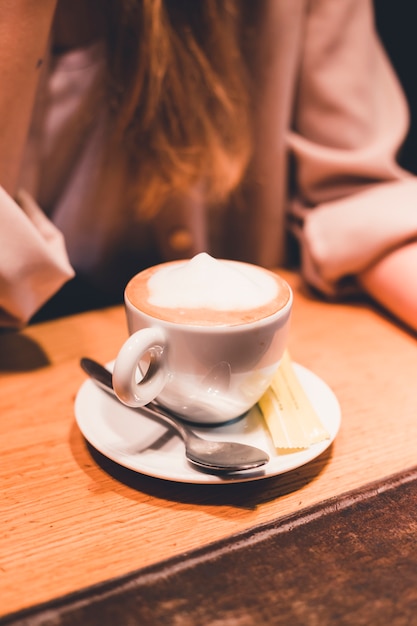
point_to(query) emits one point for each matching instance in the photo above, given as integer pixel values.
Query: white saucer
(132, 440)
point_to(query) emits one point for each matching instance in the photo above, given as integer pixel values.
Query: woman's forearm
(24, 32)
(392, 282)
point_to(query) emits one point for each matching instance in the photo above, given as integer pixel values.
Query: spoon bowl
(216, 456)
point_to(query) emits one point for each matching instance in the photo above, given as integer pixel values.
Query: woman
(136, 131)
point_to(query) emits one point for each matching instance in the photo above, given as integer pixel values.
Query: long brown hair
(179, 96)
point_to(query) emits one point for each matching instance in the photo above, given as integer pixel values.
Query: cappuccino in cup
(214, 332)
(208, 292)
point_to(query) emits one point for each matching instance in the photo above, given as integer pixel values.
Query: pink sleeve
(352, 203)
(33, 259)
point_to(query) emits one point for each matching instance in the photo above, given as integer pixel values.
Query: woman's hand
(392, 282)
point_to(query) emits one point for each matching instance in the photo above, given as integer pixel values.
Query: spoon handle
(103, 377)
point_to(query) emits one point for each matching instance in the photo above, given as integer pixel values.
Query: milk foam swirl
(211, 284)
(208, 292)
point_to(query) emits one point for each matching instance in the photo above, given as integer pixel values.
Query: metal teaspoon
(219, 456)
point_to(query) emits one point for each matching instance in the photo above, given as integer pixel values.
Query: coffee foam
(205, 290)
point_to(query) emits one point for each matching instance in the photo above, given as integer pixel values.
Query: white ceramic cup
(203, 372)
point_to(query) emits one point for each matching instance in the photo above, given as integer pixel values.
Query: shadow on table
(245, 495)
(19, 353)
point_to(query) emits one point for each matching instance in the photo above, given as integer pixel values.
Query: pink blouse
(330, 120)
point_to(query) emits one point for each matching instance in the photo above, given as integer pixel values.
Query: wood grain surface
(350, 560)
(70, 518)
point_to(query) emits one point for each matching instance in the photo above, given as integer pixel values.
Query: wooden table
(68, 522)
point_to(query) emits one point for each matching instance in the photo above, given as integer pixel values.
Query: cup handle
(130, 392)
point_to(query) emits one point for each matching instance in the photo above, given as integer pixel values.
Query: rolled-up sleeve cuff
(342, 238)
(33, 260)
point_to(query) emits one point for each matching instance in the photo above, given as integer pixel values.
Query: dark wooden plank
(350, 560)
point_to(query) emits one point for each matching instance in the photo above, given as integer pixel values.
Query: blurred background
(396, 23)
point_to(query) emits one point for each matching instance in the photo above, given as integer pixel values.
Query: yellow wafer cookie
(288, 413)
